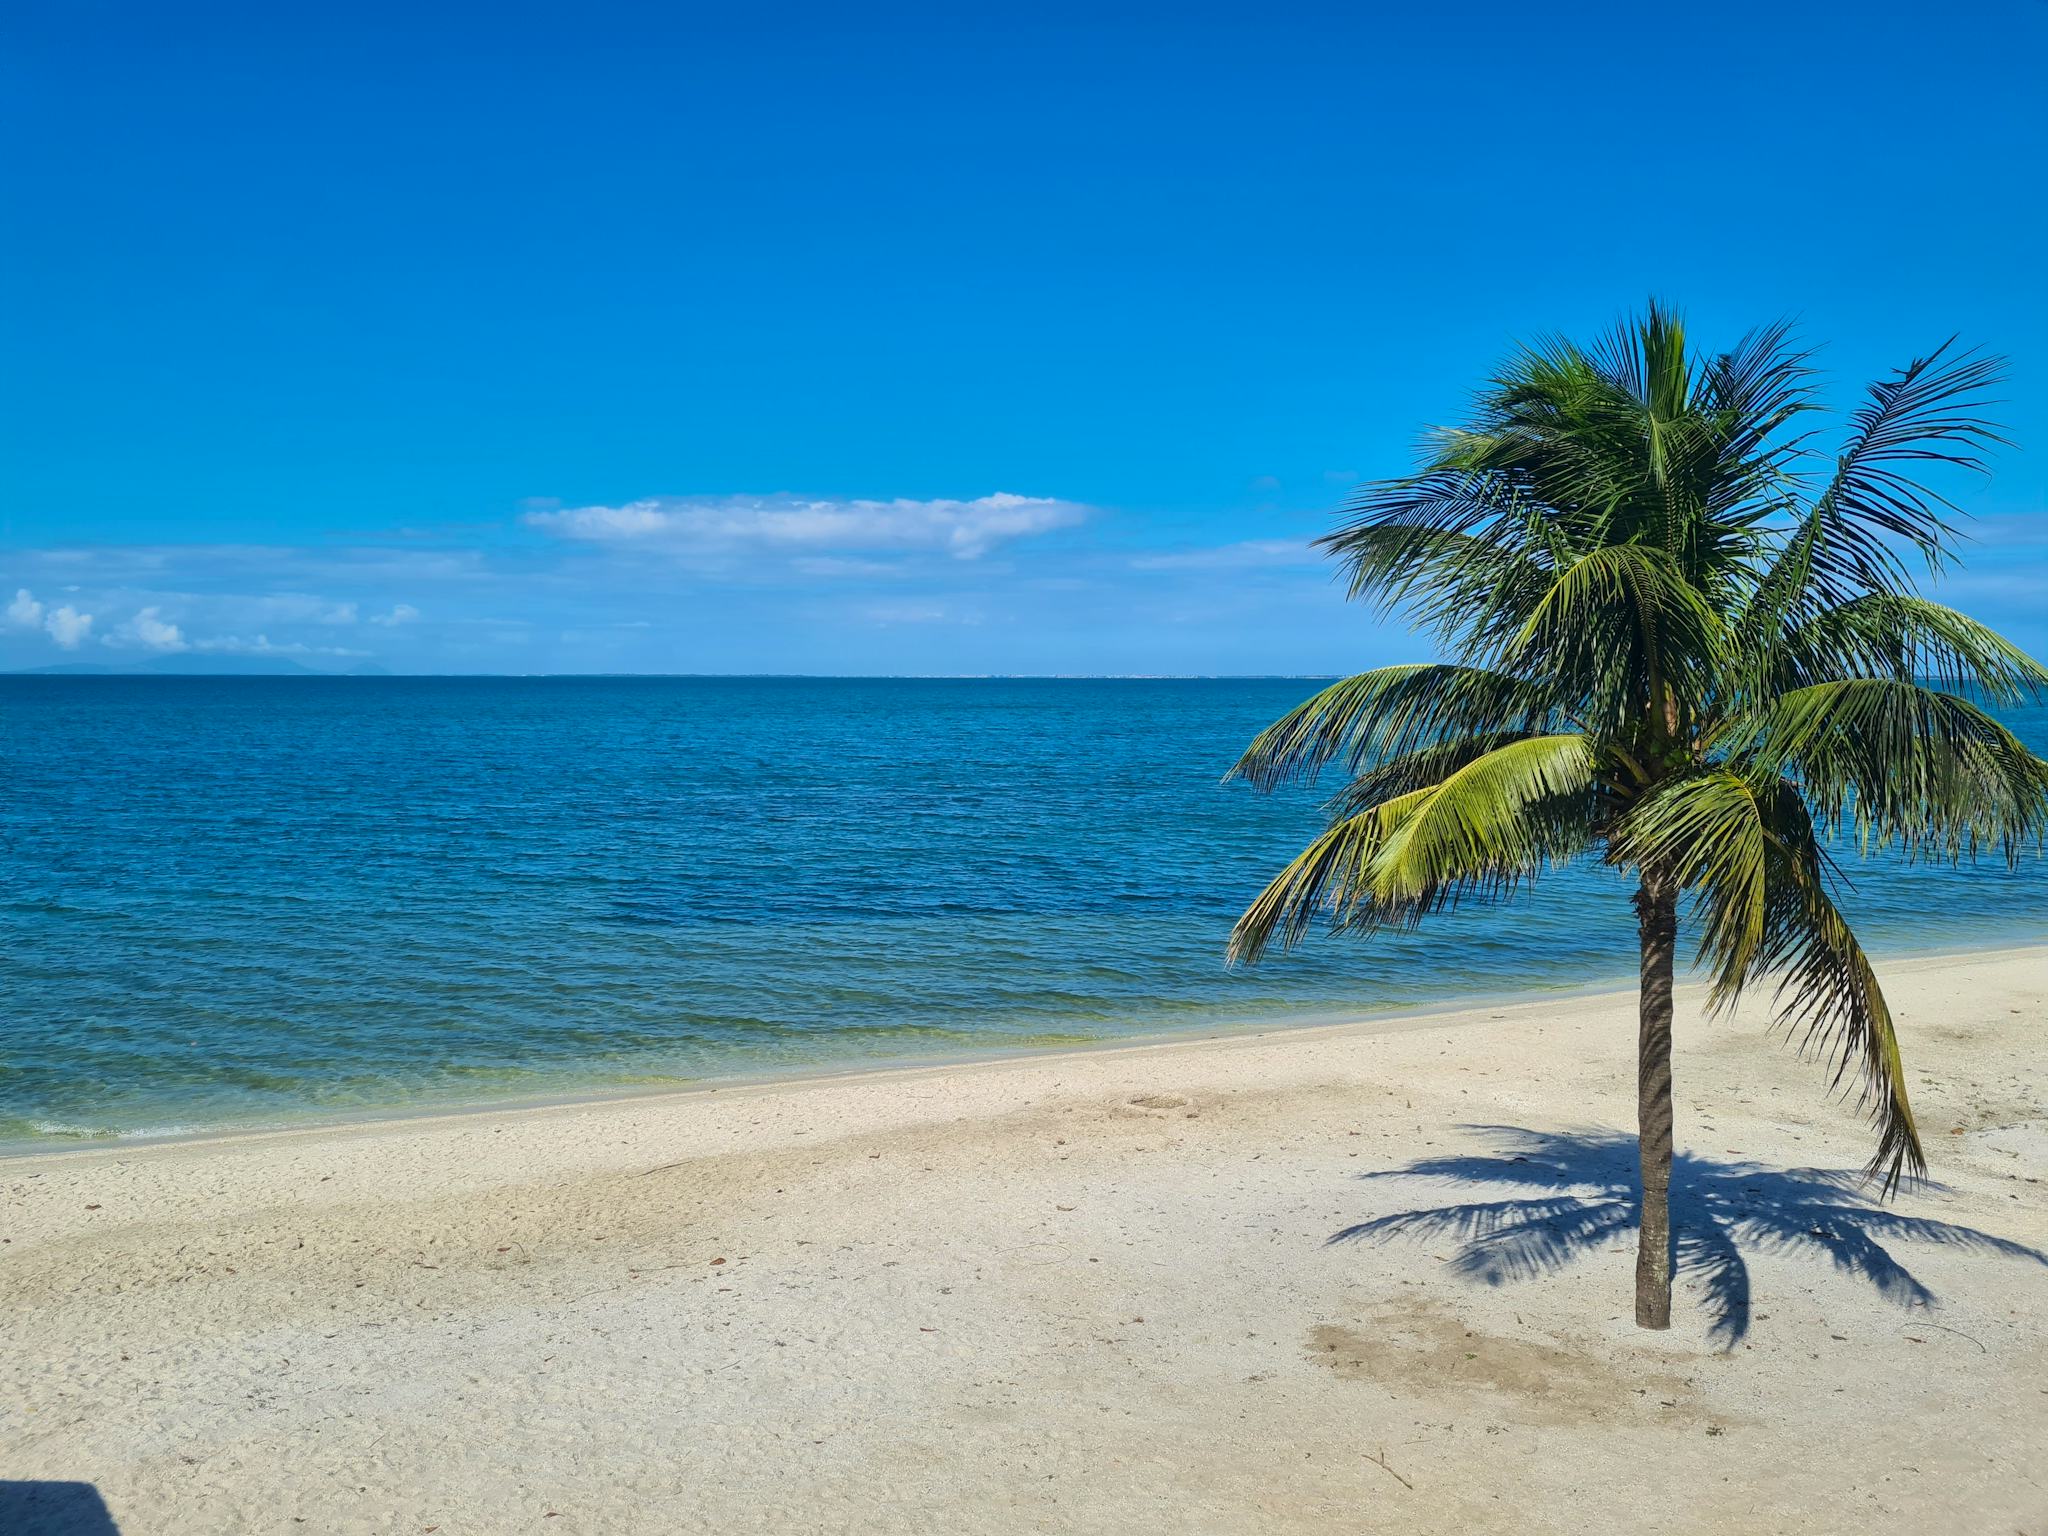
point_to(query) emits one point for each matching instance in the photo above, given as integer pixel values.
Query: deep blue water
(237, 900)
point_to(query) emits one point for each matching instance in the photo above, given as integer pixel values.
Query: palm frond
(1388, 713)
(1327, 879)
(1420, 769)
(1707, 832)
(1903, 764)
(1615, 626)
(1911, 639)
(1741, 479)
(1828, 998)
(1493, 822)
(1498, 819)
(1750, 395)
(1466, 588)
(1852, 539)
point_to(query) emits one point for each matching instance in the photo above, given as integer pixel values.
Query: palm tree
(1679, 639)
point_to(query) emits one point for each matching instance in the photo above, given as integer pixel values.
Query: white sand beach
(1099, 1291)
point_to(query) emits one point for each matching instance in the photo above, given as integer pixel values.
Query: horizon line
(827, 677)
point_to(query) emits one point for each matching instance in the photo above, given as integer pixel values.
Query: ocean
(240, 902)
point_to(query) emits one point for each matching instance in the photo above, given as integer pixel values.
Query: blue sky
(870, 339)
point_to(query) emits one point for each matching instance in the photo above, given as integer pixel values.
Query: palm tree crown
(1678, 637)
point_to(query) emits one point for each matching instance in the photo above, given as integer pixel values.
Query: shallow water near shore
(228, 902)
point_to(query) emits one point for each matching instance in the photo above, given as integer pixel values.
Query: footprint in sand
(1159, 1101)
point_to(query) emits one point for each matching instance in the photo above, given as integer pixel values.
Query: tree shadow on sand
(1584, 1191)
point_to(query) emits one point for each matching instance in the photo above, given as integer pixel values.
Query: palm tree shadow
(1582, 1191)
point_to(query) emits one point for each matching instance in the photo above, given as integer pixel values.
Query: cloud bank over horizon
(1000, 582)
(783, 582)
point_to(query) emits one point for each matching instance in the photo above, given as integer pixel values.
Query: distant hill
(231, 666)
(189, 666)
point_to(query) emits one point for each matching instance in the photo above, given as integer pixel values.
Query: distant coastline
(285, 667)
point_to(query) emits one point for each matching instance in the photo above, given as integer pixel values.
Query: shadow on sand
(54, 1509)
(1582, 1192)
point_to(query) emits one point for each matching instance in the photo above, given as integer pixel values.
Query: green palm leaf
(1847, 543)
(1328, 879)
(1828, 995)
(1619, 618)
(1420, 769)
(1375, 716)
(1904, 764)
(1911, 639)
(1499, 818)
(1707, 832)
(1494, 821)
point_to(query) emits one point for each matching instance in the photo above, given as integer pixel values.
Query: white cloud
(891, 614)
(1253, 552)
(67, 626)
(289, 575)
(843, 565)
(401, 613)
(693, 525)
(287, 608)
(263, 645)
(150, 630)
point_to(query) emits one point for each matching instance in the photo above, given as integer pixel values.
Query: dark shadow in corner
(1583, 1192)
(54, 1509)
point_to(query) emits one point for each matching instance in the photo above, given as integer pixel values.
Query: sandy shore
(1109, 1291)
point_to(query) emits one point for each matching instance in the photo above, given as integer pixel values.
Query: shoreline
(1390, 1020)
(1399, 1018)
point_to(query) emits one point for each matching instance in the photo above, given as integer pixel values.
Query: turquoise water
(235, 901)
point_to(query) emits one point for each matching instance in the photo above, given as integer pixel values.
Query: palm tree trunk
(1657, 925)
